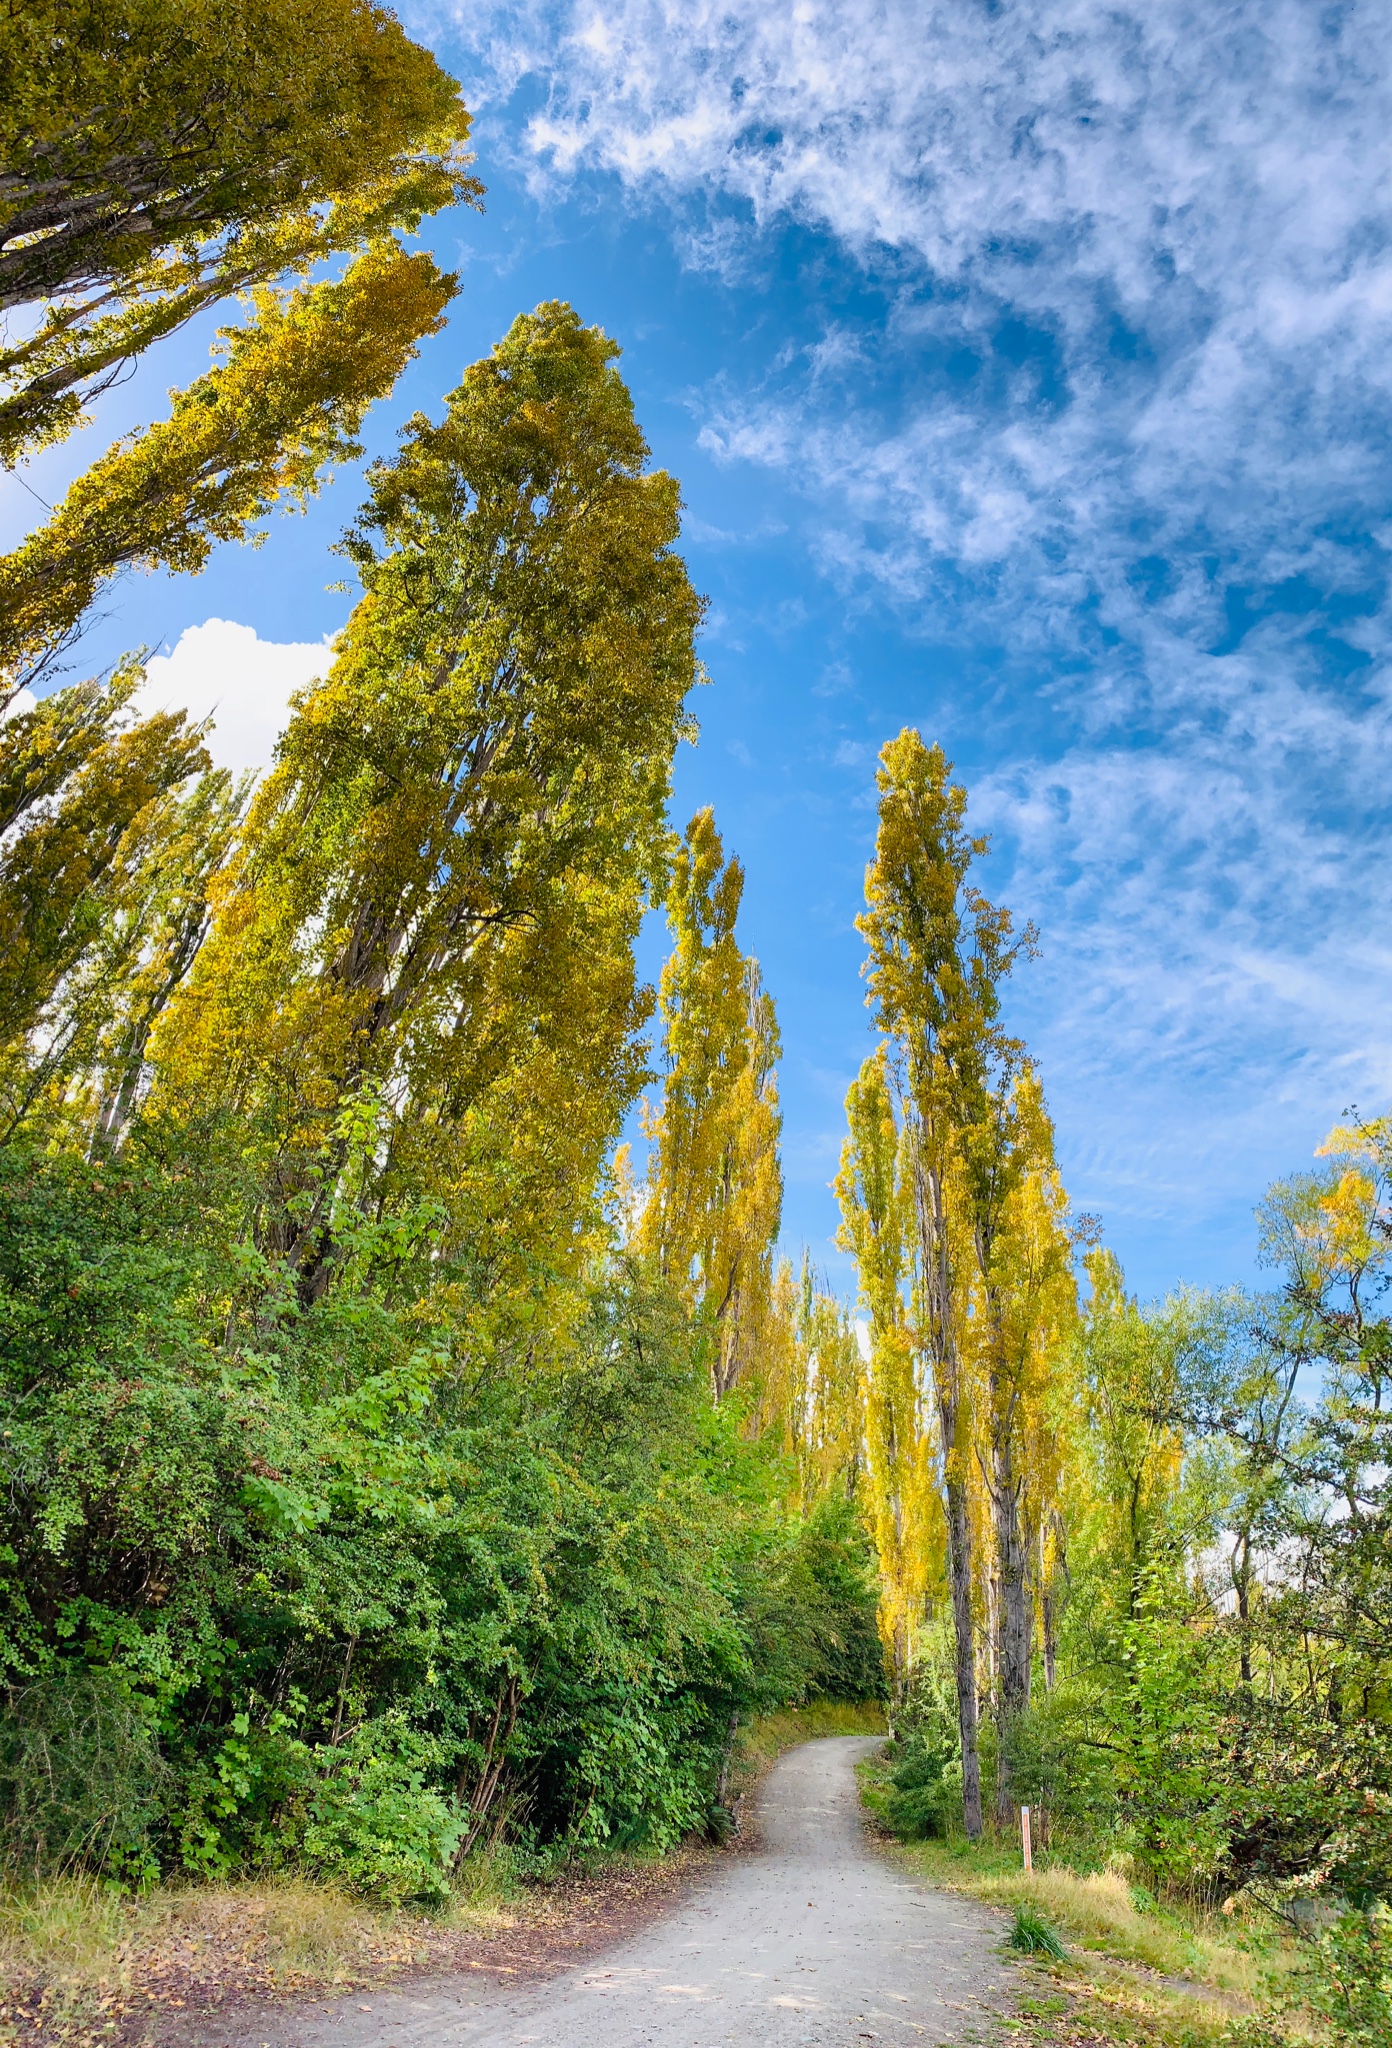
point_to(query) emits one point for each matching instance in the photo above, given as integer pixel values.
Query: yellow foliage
(901, 1444)
(161, 155)
(288, 401)
(715, 1186)
(419, 983)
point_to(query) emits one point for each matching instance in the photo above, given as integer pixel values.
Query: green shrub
(376, 1827)
(82, 1781)
(924, 1792)
(1349, 1982)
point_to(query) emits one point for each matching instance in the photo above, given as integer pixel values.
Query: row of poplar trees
(383, 1472)
(1135, 1563)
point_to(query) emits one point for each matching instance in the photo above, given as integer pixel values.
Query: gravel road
(809, 1939)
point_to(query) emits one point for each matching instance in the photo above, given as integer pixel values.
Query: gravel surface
(811, 1939)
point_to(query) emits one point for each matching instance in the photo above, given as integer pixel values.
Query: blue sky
(1028, 371)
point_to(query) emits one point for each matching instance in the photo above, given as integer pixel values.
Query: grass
(74, 1953)
(1137, 1970)
(1033, 1935)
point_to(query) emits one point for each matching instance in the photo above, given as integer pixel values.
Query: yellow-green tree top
(157, 155)
(715, 1186)
(87, 800)
(938, 953)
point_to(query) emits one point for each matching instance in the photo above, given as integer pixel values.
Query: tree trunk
(1050, 1621)
(1242, 1582)
(959, 1564)
(947, 1387)
(1014, 1616)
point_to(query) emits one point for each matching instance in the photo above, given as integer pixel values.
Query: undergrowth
(1137, 1969)
(71, 1943)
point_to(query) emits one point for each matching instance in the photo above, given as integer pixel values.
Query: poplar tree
(715, 1190)
(421, 959)
(938, 952)
(809, 1392)
(901, 1497)
(84, 812)
(286, 403)
(1027, 1296)
(157, 156)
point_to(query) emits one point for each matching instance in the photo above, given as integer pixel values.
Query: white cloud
(1134, 382)
(224, 671)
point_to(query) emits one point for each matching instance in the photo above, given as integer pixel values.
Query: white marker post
(1025, 1837)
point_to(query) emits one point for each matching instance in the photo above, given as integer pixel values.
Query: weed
(1032, 1935)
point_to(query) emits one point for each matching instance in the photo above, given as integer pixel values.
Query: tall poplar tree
(1027, 1296)
(809, 1392)
(938, 953)
(421, 961)
(285, 404)
(715, 1190)
(89, 845)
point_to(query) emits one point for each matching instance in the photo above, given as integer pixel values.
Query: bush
(926, 1781)
(924, 1793)
(376, 1827)
(82, 1781)
(1349, 1982)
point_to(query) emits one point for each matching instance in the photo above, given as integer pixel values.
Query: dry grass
(1138, 1971)
(1137, 1975)
(73, 1952)
(71, 1928)
(1097, 1912)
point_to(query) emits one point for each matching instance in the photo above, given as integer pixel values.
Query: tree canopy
(156, 158)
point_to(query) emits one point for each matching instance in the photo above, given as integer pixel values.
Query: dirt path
(812, 1939)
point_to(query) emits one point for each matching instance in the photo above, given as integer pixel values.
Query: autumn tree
(157, 156)
(901, 1498)
(99, 815)
(424, 947)
(938, 951)
(1027, 1294)
(714, 1190)
(808, 1384)
(264, 424)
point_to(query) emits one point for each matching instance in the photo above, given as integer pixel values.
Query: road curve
(810, 1939)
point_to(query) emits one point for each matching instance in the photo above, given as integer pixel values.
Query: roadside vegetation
(406, 1497)
(1129, 1966)
(415, 1498)
(1135, 1559)
(78, 1954)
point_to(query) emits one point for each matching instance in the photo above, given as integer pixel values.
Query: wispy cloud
(1126, 422)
